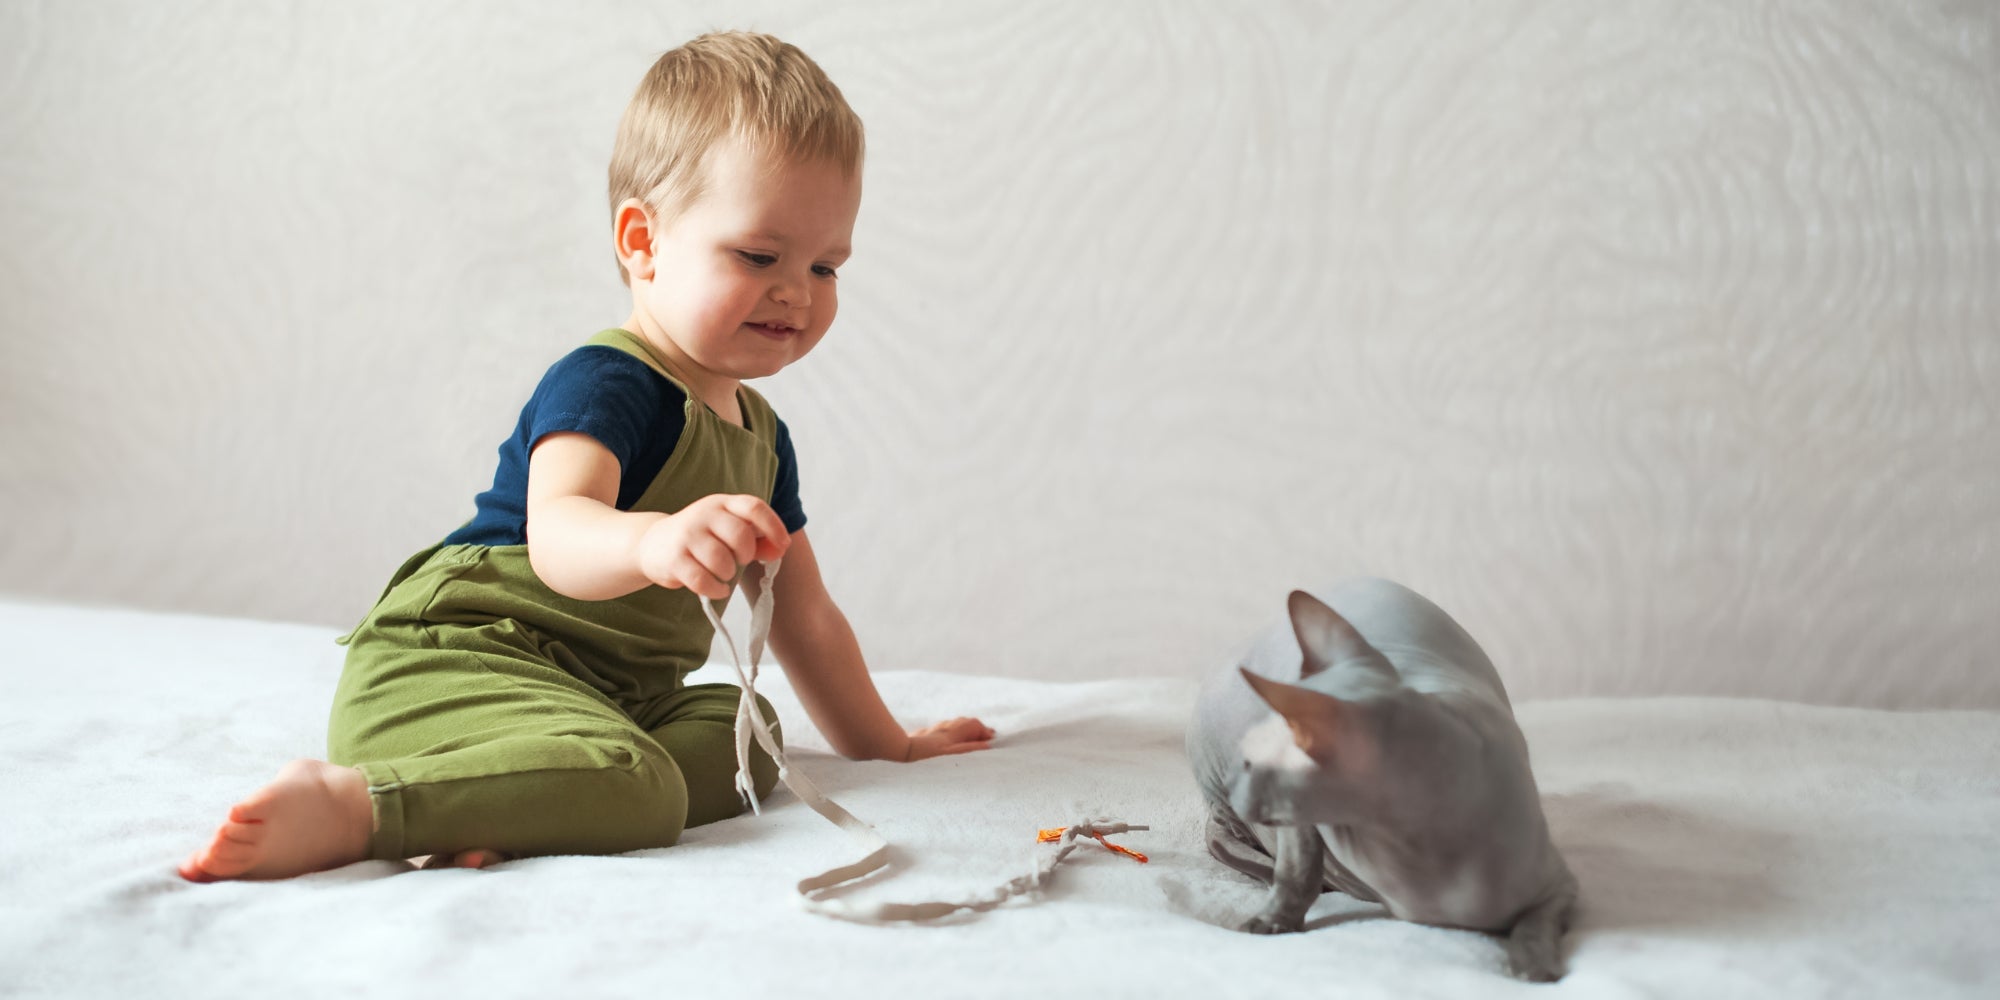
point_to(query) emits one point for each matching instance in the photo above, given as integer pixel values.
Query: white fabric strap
(812, 892)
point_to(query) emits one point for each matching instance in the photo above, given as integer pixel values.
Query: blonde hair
(731, 85)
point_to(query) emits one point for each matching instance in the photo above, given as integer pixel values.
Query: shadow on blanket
(1645, 864)
(1642, 865)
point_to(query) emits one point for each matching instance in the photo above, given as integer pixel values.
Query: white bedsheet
(1725, 848)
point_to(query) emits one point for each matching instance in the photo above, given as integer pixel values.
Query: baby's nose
(792, 293)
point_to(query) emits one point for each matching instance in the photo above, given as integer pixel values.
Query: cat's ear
(1324, 636)
(1318, 721)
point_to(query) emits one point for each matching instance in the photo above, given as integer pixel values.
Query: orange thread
(1050, 836)
(1128, 852)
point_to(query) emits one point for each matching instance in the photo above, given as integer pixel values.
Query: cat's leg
(1232, 842)
(1295, 882)
(1534, 945)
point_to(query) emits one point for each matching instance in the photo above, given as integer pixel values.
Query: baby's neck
(727, 406)
(717, 392)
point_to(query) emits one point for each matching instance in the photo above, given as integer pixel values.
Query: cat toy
(813, 893)
(1045, 836)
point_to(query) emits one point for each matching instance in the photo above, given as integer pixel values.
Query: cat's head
(1346, 742)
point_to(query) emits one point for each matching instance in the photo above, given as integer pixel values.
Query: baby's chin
(745, 373)
(771, 362)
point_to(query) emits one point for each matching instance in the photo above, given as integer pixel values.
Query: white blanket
(1725, 848)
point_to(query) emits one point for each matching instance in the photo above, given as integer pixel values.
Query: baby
(519, 688)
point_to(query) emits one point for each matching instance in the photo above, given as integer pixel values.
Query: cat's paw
(1264, 923)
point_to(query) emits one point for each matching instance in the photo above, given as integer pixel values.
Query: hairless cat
(1369, 747)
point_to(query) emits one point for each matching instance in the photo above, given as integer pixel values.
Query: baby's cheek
(719, 315)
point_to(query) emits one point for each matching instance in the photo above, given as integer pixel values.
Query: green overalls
(486, 710)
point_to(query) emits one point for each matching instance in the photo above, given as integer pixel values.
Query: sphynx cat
(1369, 747)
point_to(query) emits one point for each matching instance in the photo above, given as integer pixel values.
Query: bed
(1725, 848)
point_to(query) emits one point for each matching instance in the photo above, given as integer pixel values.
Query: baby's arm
(823, 661)
(584, 547)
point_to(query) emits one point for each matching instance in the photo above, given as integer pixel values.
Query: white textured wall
(1660, 342)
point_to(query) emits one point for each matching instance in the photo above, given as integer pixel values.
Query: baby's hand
(950, 736)
(702, 546)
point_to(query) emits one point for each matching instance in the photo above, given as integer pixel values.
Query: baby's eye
(824, 271)
(756, 259)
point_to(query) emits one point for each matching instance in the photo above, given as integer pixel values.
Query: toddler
(519, 688)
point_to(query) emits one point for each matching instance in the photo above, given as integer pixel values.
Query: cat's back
(1431, 651)
(1387, 613)
(1226, 707)
(1427, 644)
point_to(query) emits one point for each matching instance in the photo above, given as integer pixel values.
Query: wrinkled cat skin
(1368, 746)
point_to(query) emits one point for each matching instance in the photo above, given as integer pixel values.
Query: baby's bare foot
(478, 857)
(312, 817)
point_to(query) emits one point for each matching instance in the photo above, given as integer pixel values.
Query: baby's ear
(1318, 721)
(632, 236)
(1324, 636)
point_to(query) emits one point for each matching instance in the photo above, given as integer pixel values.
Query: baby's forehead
(763, 160)
(775, 197)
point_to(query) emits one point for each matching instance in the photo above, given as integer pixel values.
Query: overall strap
(756, 409)
(624, 340)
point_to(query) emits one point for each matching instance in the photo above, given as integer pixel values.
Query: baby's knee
(650, 808)
(606, 793)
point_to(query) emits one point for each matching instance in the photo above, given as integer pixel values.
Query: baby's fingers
(697, 575)
(714, 555)
(965, 728)
(772, 538)
(961, 735)
(739, 537)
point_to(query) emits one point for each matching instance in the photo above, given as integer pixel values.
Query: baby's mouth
(773, 329)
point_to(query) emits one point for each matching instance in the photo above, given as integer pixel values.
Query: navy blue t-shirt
(630, 409)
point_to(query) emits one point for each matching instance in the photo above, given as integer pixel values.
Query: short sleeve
(602, 392)
(785, 494)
